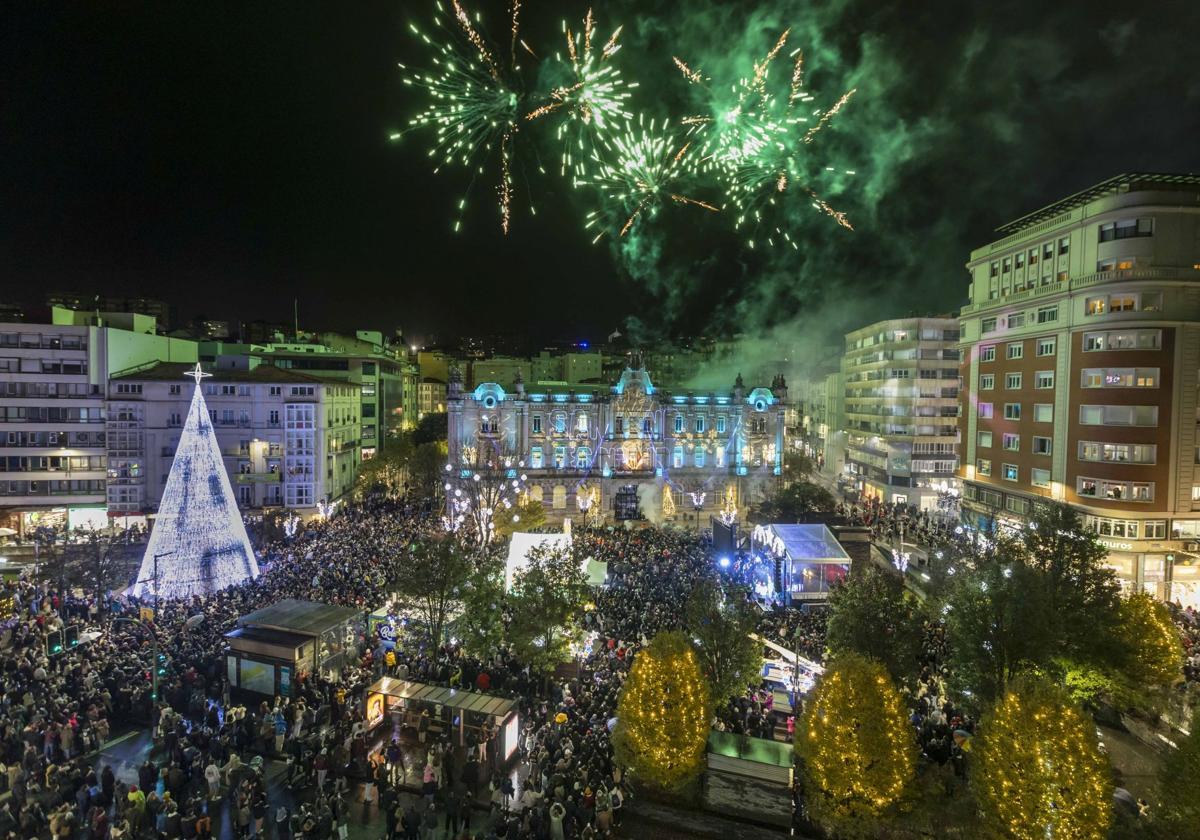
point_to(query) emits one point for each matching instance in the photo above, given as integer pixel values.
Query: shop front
(453, 713)
(1159, 568)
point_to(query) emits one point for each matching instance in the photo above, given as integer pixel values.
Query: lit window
(679, 423)
(985, 410)
(1015, 350)
(535, 458)
(983, 467)
(721, 424)
(1039, 477)
(1011, 472)
(1011, 442)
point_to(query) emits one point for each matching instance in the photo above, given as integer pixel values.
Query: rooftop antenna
(296, 319)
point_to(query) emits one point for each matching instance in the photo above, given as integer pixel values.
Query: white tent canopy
(522, 543)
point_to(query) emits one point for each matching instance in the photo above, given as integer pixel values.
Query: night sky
(231, 156)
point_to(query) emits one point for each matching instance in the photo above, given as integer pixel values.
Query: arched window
(583, 457)
(535, 492)
(679, 423)
(560, 497)
(581, 423)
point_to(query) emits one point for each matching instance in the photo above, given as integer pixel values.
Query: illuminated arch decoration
(489, 394)
(198, 535)
(760, 399)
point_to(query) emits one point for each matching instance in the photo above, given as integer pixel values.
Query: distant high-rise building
(901, 409)
(1082, 345)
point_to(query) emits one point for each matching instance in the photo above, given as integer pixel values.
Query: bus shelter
(451, 711)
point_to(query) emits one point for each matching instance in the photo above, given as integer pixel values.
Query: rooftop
(176, 371)
(811, 543)
(305, 617)
(471, 701)
(1129, 182)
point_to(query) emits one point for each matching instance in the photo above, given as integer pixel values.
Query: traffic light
(72, 635)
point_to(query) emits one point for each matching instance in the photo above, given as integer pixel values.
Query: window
(1151, 302)
(1011, 442)
(560, 457)
(1047, 314)
(1033, 256)
(985, 440)
(537, 424)
(1122, 303)
(273, 417)
(1016, 350)
(560, 423)
(1046, 346)
(1016, 504)
(1007, 264)
(1042, 445)
(1020, 260)
(987, 381)
(1043, 413)
(1047, 250)
(1125, 302)
(1064, 245)
(1120, 377)
(679, 424)
(1039, 477)
(988, 353)
(1122, 340)
(581, 423)
(721, 424)
(985, 410)
(1016, 319)
(1011, 473)
(1118, 415)
(677, 457)
(583, 457)
(1043, 379)
(699, 456)
(1096, 306)
(1012, 381)
(983, 467)
(987, 325)
(699, 426)
(535, 458)
(1126, 229)
(1012, 411)
(276, 390)
(994, 269)
(176, 390)
(1119, 453)
(1133, 491)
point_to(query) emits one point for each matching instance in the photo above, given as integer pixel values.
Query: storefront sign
(386, 632)
(1116, 546)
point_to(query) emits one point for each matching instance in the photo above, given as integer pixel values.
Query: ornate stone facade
(685, 455)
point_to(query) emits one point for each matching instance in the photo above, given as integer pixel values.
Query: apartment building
(288, 439)
(53, 377)
(901, 409)
(1081, 349)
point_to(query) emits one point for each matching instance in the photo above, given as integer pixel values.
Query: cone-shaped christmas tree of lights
(198, 536)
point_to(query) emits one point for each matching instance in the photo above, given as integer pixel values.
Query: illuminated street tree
(857, 746)
(483, 490)
(1156, 653)
(1038, 770)
(663, 714)
(720, 628)
(526, 515)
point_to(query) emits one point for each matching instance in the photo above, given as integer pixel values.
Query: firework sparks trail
(828, 115)
(753, 141)
(593, 101)
(640, 171)
(473, 102)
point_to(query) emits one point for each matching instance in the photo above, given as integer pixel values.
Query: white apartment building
(901, 409)
(52, 411)
(288, 439)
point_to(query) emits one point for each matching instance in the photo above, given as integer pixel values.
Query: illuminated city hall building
(682, 457)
